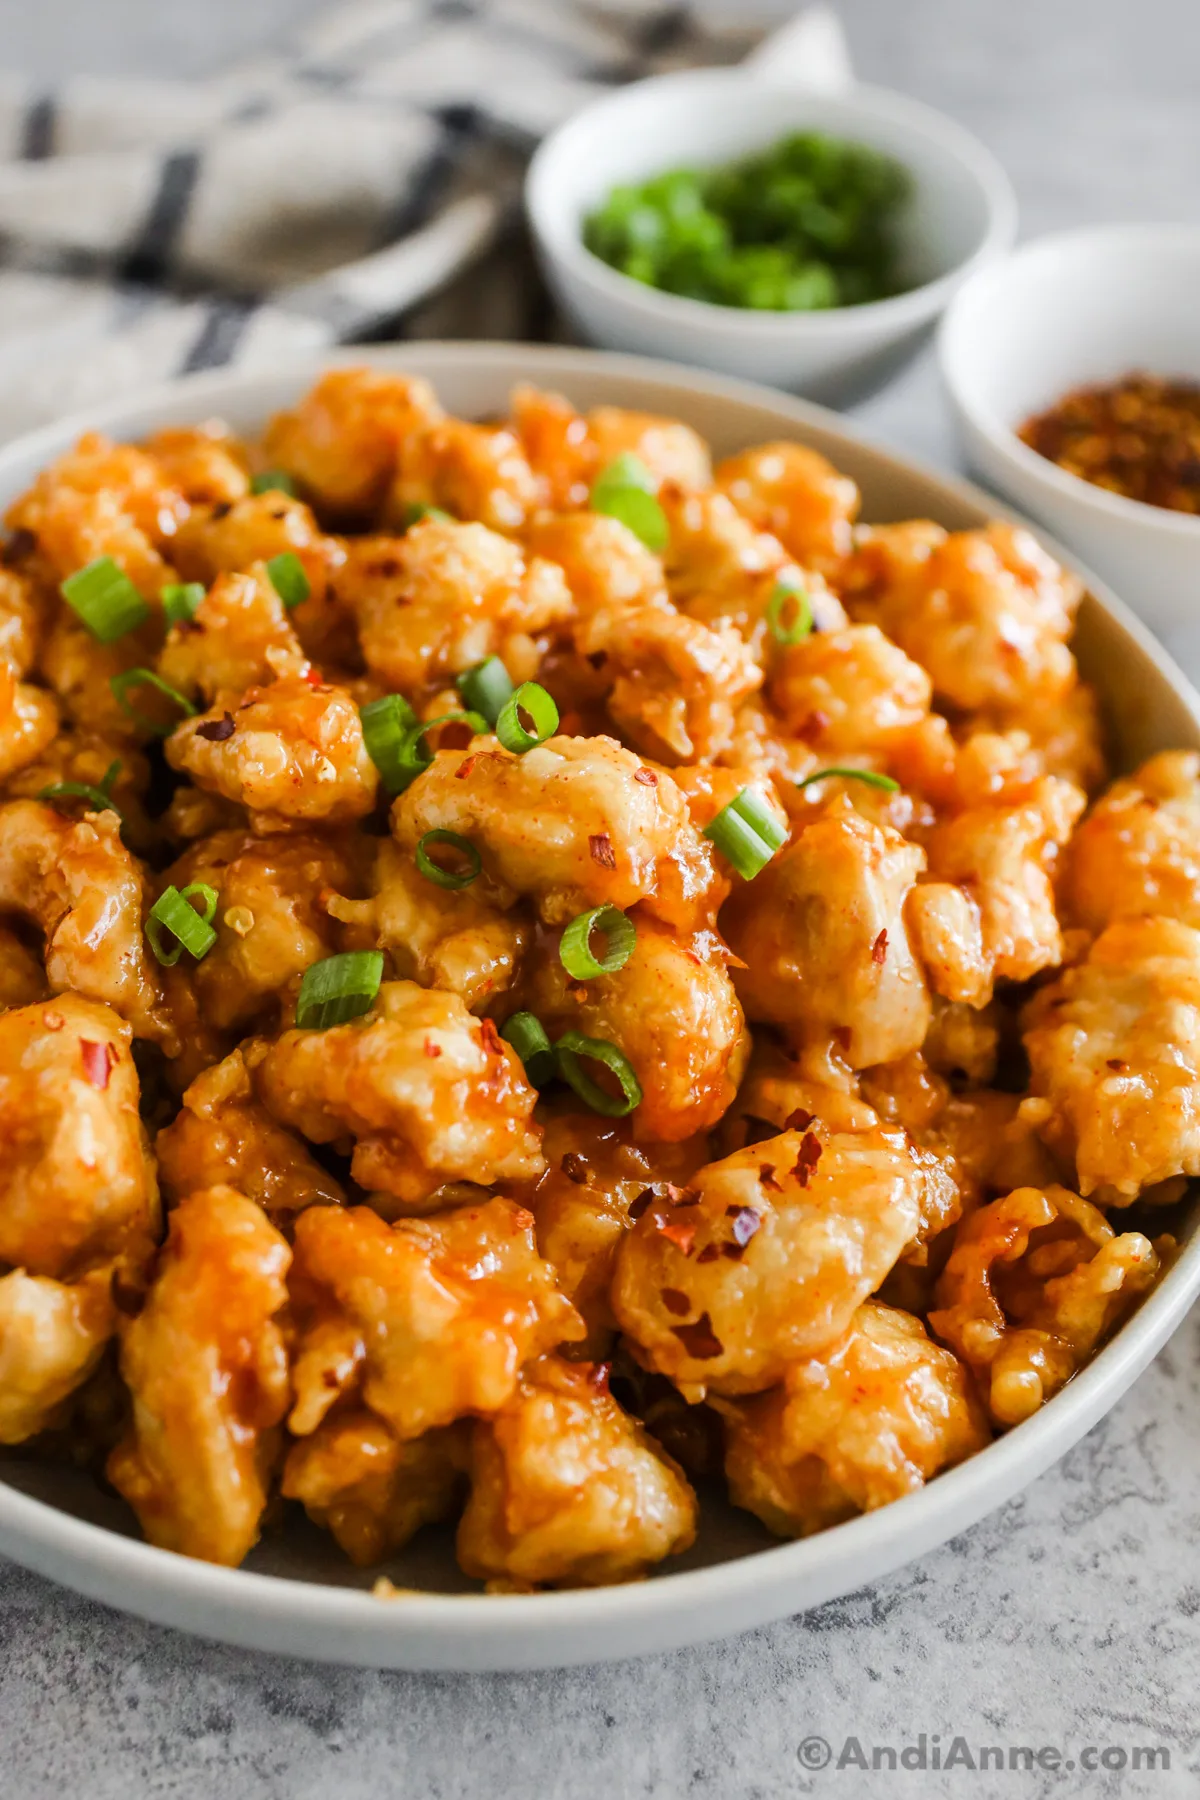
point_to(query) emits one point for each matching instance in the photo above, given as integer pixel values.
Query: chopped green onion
(447, 878)
(415, 754)
(802, 619)
(485, 687)
(415, 513)
(273, 478)
(868, 775)
(103, 596)
(192, 931)
(181, 600)
(747, 833)
(100, 797)
(525, 1033)
(532, 699)
(385, 725)
(573, 1049)
(288, 578)
(133, 678)
(625, 491)
(575, 949)
(339, 988)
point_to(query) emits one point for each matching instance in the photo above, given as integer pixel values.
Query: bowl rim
(565, 246)
(468, 1632)
(981, 286)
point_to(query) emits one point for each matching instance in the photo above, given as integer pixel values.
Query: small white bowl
(962, 214)
(1065, 311)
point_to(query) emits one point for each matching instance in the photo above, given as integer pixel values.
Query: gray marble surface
(1072, 1616)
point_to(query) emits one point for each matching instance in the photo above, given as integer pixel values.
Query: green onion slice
(415, 754)
(485, 687)
(575, 948)
(100, 797)
(288, 578)
(102, 595)
(273, 478)
(747, 833)
(135, 678)
(784, 596)
(385, 725)
(181, 600)
(533, 700)
(524, 1031)
(339, 988)
(868, 775)
(448, 878)
(573, 1050)
(625, 491)
(192, 931)
(419, 510)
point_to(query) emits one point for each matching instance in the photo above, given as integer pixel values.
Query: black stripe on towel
(149, 256)
(37, 134)
(216, 342)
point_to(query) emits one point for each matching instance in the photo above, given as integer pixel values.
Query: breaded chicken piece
(290, 752)
(673, 684)
(471, 471)
(371, 1489)
(823, 933)
(604, 563)
(574, 823)
(205, 462)
(1033, 1284)
(104, 499)
(849, 691)
(1138, 850)
(444, 938)
(424, 1321)
(426, 1093)
(52, 1336)
(207, 1368)
(767, 1256)
(28, 723)
(567, 450)
(80, 672)
(240, 637)
(23, 612)
(871, 1419)
(22, 977)
(1114, 1048)
(799, 497)
(569, 1491)
(342, 440)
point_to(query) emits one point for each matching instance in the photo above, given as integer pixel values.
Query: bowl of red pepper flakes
(1139, 436)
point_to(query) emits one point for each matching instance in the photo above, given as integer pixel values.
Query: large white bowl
(1064, 311)
(298, 1594)
(962, 214)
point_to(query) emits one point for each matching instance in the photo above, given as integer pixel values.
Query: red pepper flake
(217, 730)
(647, 777)
(1114, 1062)
(575, 1168)
(809, 1157)
(98, 1060)
(641, 1203)
(709, 1253)
(600, 845)
(491, 1037)
(798, 1121)
(813, 727)
(464, 768)
(766, 1174)
(675, 1302)
(682, 1196)
(313, 677)
(745, 1223)
(879, 948)
(700, 1340)
(432, 1049)
(682, 1236)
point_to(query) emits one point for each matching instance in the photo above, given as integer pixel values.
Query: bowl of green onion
(719, 218)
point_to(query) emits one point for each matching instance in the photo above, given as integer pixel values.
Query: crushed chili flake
(314, 677)
(464, 768)
(682, 1236)
(798, 1120)
(809, 1157)
(600, 845)
(432, 1049)
(675, 1301)
(700, 1340)
(1114, 1062)
(766, 1174)
(1138, 437)
(682, 1196)
(745, 1223)
(575, 1168)
(217, 730)
(491, 1037)
(879, 948)
(709, 1253)
(647, 777)
(734, 1252)
(98, 1060)
(813, 727)
(641, 1203)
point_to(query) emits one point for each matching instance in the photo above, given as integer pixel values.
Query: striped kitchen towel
(319, 195)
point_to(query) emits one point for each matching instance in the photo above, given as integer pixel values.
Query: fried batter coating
(1033, 1284)
(792, 1235)
(104, 499)
(51, 1338)
(369, 1488)
(28, 723)
(675, 683)
(205, 462)
(428, 1094)
(22, 978)
(341, 442)
(223, 1136)
(424, 1321)
(472, 471)
(444, 596)
(22, 610)
(240, 637)
(720, 568)
(1138, 850)
(823, 934)
(291, 751)
(442, 938)
(872, 1419)
(849, 690)
(206, 1364)
(568, 450)
(79, 885)
(673, 1012)
(80, 672)
(569, 1491)
(604, 563)
(1114, 1046)
(799, 497)
(574, 823)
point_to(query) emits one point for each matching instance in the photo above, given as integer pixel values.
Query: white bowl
(961, 214)
(1064, 311)
(298, 1594)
